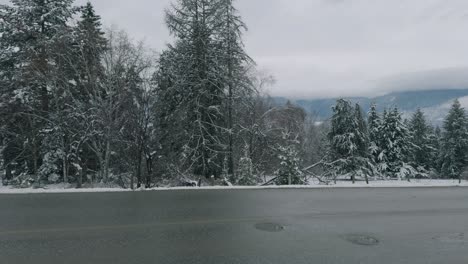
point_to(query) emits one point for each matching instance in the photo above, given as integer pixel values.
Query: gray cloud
(325, 48)
(450, 78)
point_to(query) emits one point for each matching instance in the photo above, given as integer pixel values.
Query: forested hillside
(435, 103)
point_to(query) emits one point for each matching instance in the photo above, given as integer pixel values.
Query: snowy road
(407, 225)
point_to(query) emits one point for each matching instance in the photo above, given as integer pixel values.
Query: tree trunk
(64, 160)
(8, 174)
(100, 157)
(230, 127)
(80, 178)
(132, 181)
(85, 171)
(35, 165)
(138, 170)
(65, 170)
(107, 162)
(230, 99)
(149, 168)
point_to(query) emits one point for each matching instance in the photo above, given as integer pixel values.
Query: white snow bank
(397, 184)
(61, 188)
(57, 188)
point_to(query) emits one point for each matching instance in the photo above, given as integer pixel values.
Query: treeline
(390, 147)
(84, 105)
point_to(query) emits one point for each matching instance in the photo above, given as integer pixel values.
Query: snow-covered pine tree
(373, 126)
(365, 164)
(245, 170)
(341, 139)
(36, 38)
(90, 44)
(235, 62)
(436, 142)
(91, 38)
(85, 89)
(348, 142)
(12, 142)
(81, 75)
(422, 148)
(454, 149)
(194, 24)
(35, 31)
(395, 146)
(289, 171)
(208, 65)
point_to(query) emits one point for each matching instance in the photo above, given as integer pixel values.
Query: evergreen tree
(235, 62)
(362, 139)
(395, 146)
(89, 47)
(373, 127)
(245, 173)
(194, 25)
(436, 142)
(204, 77)
(289, 171)
(90, 44)
(454, 157)
(364, 159)
(35, 31)
(35, 36)
(348, 154)
(422, 148)
(90, 36)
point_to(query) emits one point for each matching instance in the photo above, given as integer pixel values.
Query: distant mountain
(435, 103)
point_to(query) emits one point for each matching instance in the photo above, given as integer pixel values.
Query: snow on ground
(396, 184)
(66, 188)
(56, 188)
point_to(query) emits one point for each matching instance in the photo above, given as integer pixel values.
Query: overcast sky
(327, 48)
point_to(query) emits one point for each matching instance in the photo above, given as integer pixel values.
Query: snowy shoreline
(61, 188)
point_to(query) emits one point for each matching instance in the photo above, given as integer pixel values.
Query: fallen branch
(269, 182)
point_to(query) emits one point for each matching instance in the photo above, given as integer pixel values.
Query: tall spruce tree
(348, 154)
(436, 142)
(235, 63)
(35, 36)
(194, 24)
(81, 73)
(395, 146)
(454, 157)
(364, 159)
(207, 78)
(373, 127)
(90, 44)
(422, 145)
(289, 171)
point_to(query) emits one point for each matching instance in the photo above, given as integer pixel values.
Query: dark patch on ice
(269, 227)
(362, 240)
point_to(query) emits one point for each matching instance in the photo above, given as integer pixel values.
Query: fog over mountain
(434, 103)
